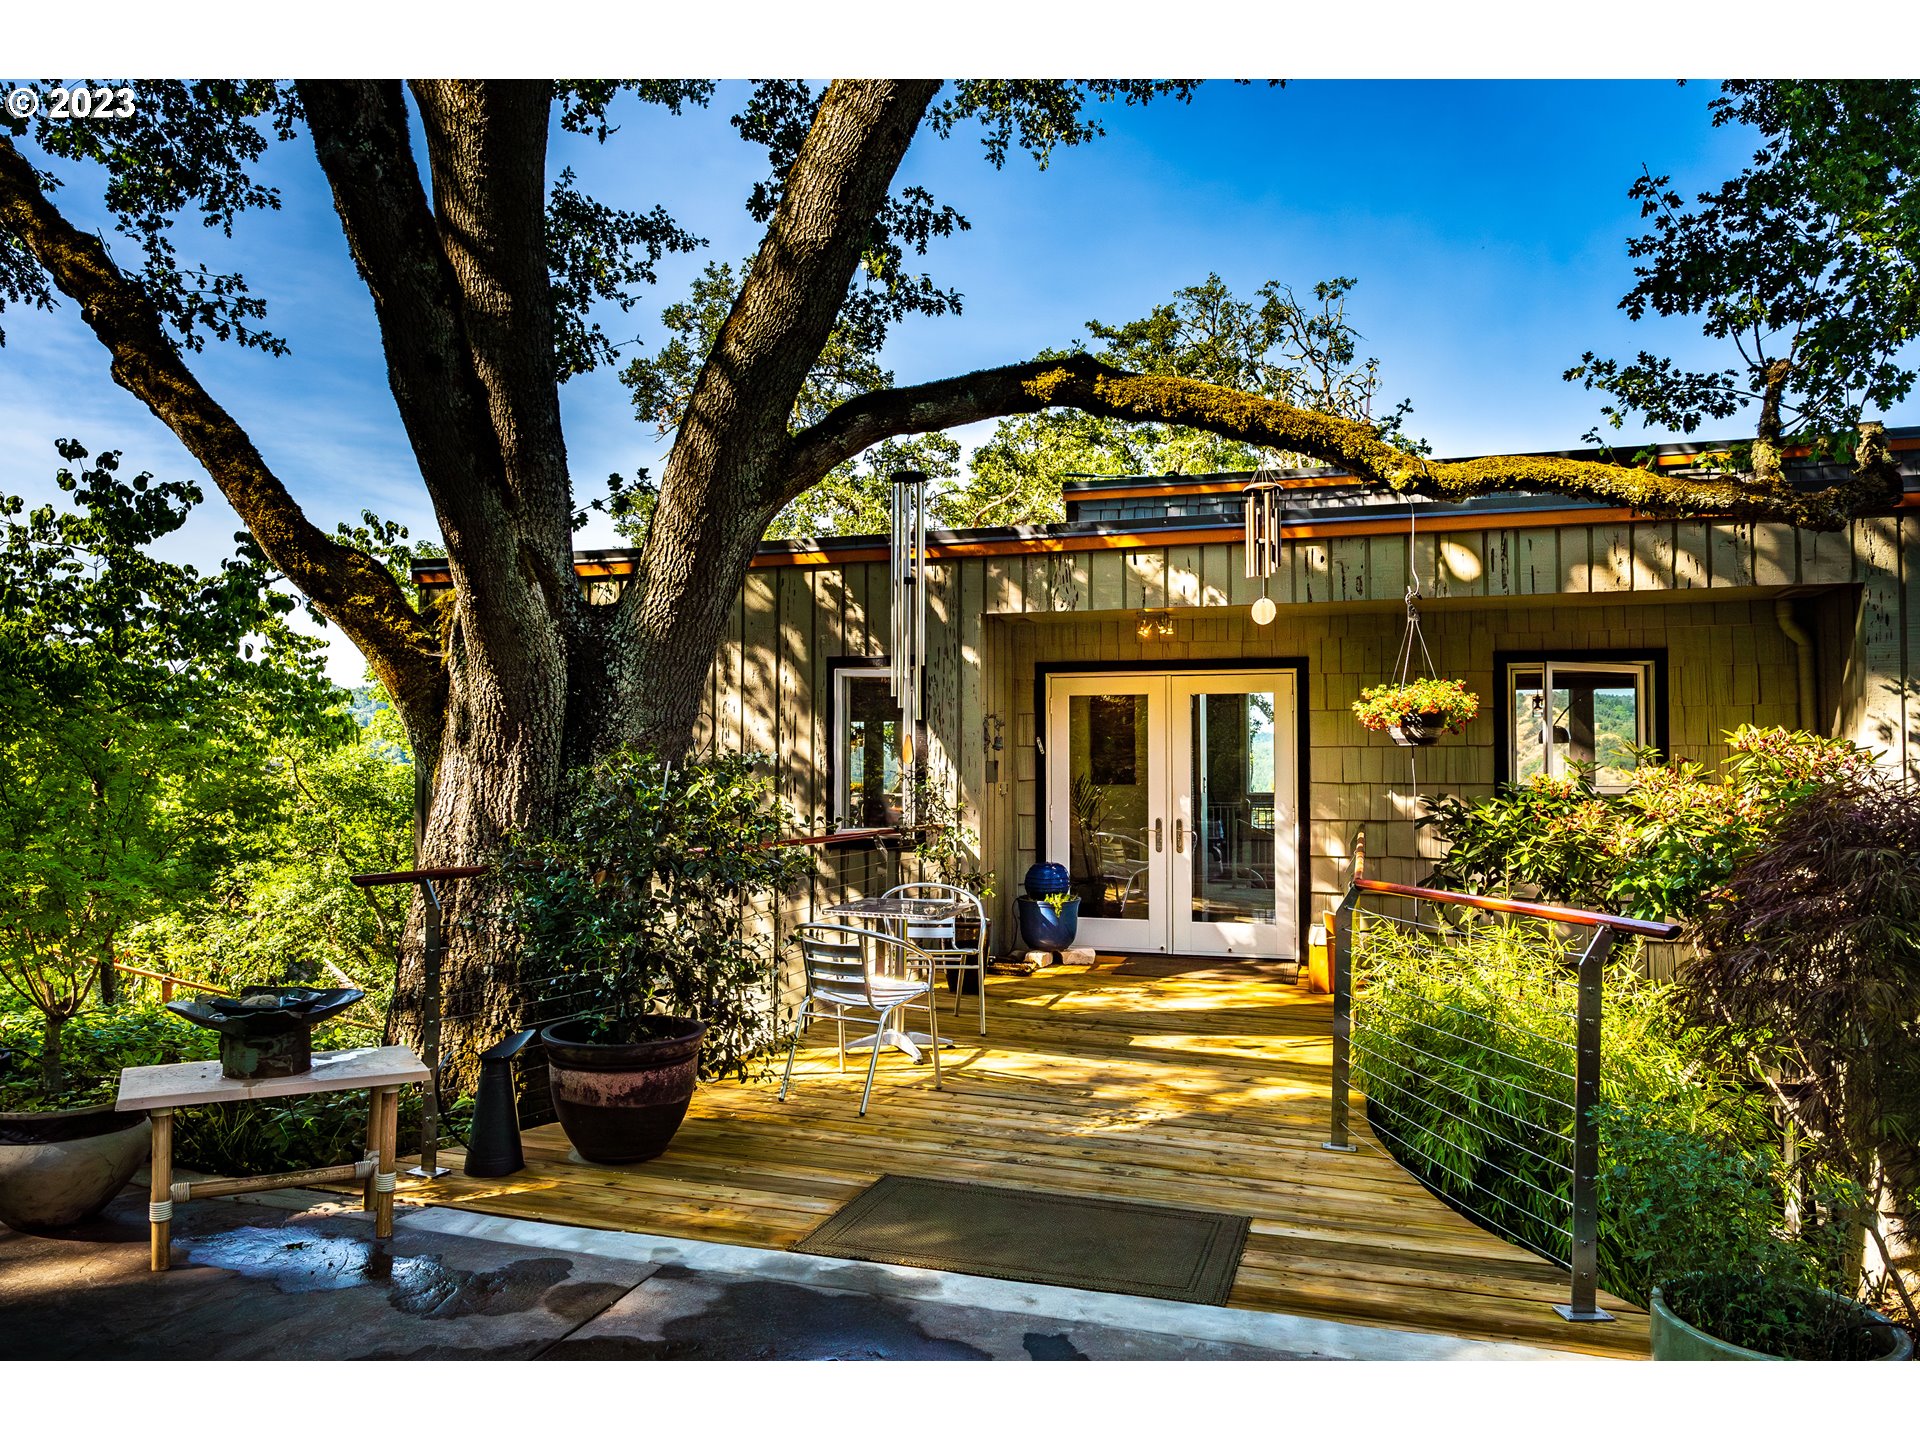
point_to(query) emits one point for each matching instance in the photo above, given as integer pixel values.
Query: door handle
(1158, 838)
(1179, 836)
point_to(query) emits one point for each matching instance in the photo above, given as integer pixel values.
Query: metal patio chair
(1124, 864)
(939, 938)
(864, 977)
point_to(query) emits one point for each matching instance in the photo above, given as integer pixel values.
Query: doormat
(1005, 1234)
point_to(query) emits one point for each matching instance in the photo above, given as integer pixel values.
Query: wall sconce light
(1155, 625)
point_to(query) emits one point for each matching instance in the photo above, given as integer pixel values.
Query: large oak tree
(483, 267)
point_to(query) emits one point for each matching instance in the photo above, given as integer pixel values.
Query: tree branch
(743, 396)
(354, 591)
(361, 137)
(461, 426)
(721, 484)
(1082, 383)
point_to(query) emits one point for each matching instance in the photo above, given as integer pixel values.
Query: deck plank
(1205, 1089)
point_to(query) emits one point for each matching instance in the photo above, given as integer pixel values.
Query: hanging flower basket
(1417, 712)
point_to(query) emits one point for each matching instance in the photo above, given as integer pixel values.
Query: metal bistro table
(161, 1089)
(900, 911)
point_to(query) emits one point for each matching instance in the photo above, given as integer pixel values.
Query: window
(866, 753)
(1572, 718)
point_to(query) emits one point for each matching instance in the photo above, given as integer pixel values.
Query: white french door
(1171, 798)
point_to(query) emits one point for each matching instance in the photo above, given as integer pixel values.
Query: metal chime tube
(909, 621)
(1262, 529)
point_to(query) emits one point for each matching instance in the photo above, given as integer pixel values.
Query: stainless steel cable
(1471, 1100)
(1481, 1044)
(1507, 1024)
(1461, 1119)
(1459, 1065)
(1430, 1162)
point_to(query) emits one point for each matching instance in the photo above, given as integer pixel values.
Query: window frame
(842, 671)
(1650, 665)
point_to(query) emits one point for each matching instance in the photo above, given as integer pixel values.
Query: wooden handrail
(878, 832)
(1561, 914)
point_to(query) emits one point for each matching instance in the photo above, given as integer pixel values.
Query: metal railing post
(429, 1167)
(1586, 1133)
(1342, 939)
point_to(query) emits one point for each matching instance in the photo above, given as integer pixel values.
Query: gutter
(1802, 643)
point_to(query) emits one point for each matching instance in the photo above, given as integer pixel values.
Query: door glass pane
(873, 752)
(1529, 755)
(1231, 846)
(1107, 763)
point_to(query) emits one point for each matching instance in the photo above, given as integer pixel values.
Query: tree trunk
(51, 1028)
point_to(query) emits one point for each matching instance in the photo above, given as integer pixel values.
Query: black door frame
(1303, 765)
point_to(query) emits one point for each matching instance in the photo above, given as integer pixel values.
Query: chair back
(836, 961)
(940, 930)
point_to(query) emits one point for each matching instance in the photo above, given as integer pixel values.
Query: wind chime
(907, 572)
(1263, 507)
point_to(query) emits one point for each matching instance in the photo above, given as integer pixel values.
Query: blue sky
(1485, 222)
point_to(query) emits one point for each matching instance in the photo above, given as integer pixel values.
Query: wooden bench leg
(387, 1105)
(160, 1191)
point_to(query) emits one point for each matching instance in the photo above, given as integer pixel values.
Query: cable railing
(1486, 1092)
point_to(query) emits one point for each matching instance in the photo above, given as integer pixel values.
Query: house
(1099, 692)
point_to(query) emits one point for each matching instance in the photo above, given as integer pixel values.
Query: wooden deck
(1207, 1088)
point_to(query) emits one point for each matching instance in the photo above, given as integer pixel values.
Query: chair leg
(873, 1060)
(799, 1024)
(980, 976)
(840, 1031)
(933, 1025)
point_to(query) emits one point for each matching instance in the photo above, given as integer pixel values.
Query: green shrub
(639, 897)
(1660, 849)
(1466, 1047)
(97, 1047)
(1675, 1201)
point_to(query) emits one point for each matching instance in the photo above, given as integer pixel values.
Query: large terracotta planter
(1674, 1339)
(60, 1167)
(621, 1103)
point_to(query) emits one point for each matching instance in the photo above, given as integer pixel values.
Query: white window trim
(1640, 670)
(843, 679)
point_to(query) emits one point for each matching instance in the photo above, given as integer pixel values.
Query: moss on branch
(1085, 384)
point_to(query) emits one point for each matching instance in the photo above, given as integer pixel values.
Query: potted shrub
(64, 1150)
(635, 903)
(1417, 712)
(1723, 1315)
(1049, 922)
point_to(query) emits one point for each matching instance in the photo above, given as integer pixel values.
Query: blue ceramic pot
(1049, 877)
(1045, 927)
